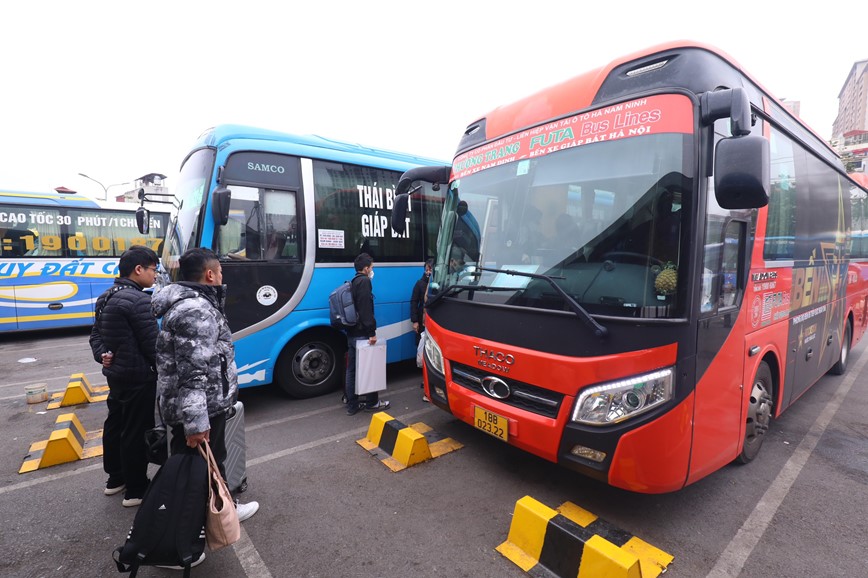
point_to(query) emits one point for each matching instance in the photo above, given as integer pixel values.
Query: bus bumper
(651, 457)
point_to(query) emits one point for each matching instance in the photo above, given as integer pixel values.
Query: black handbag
(157, 440)
(158, 445)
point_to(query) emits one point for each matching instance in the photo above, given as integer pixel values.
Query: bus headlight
(616, 401)
(433, 354)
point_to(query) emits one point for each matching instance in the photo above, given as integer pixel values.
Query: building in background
(853, 102)
(850, 129)
(150, 184)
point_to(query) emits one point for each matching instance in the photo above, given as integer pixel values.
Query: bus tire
(312, 364)
(759, 414)
(841, 365)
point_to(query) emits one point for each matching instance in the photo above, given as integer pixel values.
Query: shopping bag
(222, 527)
(420, 349)
(370, 367)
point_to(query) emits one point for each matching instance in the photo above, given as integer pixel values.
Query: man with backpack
(123, 340)
(198, 380)
(365, 328)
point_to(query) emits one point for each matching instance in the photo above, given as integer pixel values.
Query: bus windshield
(607, 221)
(190, 194)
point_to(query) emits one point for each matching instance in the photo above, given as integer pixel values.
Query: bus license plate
(491, 423)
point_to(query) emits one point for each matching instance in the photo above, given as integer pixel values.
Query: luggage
(236, 450)
(169, 526)
(342, 309)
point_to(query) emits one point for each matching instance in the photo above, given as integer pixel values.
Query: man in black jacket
(417, 306)
(123, 340)
(417, 300)
(366, 328)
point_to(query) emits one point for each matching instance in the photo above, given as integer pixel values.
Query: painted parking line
(61, 378)
(731, 561)
(247, 554)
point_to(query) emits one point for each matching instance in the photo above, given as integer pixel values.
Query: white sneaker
(193, 565)
(247, 510)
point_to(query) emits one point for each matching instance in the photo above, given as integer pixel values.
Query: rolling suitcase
(236, 450)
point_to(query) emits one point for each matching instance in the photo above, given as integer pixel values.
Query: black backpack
(169, 528)
(342, 309)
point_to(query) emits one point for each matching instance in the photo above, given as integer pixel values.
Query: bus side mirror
(143, 220)
(220, 206)
(741, 172)
(436, 175)
(399, 213)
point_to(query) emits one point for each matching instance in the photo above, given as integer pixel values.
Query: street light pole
(104, 188)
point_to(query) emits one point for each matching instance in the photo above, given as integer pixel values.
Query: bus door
(720, 348)
(260, 245)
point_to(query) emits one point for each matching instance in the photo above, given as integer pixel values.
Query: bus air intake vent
(647, 68)
(522, 395)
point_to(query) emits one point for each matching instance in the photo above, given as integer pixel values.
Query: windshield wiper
(457, 288)
(580, 311)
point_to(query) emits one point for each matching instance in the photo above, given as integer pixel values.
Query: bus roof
(311, 145)
(683, 64)
(46, 199)
(53, 199)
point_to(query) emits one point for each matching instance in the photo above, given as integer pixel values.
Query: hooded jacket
(197, 377)
(363, 299)
(128, 329)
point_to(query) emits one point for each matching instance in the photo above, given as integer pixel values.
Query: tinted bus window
(353, 206)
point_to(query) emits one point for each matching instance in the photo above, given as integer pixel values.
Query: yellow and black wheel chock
(571, 541)
(78, 390)
(68, 442)
(400, 446)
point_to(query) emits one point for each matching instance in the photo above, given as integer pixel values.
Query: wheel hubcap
(759, 411)
(312, 365)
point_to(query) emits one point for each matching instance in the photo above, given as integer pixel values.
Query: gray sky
(116, 90)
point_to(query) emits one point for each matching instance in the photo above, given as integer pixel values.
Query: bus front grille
(521, 395)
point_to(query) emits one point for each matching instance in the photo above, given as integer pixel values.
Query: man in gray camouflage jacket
(197, 380)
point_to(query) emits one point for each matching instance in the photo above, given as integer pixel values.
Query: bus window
(730, 274)
(262, 225)
(281, 223)
(782, 212)
(353, 205)
(45, 226)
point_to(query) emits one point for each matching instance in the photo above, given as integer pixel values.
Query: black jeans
(217, 441)
(130, 414)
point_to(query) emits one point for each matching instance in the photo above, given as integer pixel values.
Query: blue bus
(59, 252)
(287, 216)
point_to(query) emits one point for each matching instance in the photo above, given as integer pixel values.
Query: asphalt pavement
(331, 509)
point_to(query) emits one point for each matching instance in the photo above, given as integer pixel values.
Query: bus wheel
(311, 365)
(841, 366)
(759, 414)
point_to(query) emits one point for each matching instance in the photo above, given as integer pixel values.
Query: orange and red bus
(641, 267)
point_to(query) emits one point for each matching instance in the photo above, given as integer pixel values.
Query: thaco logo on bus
(495, 360)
